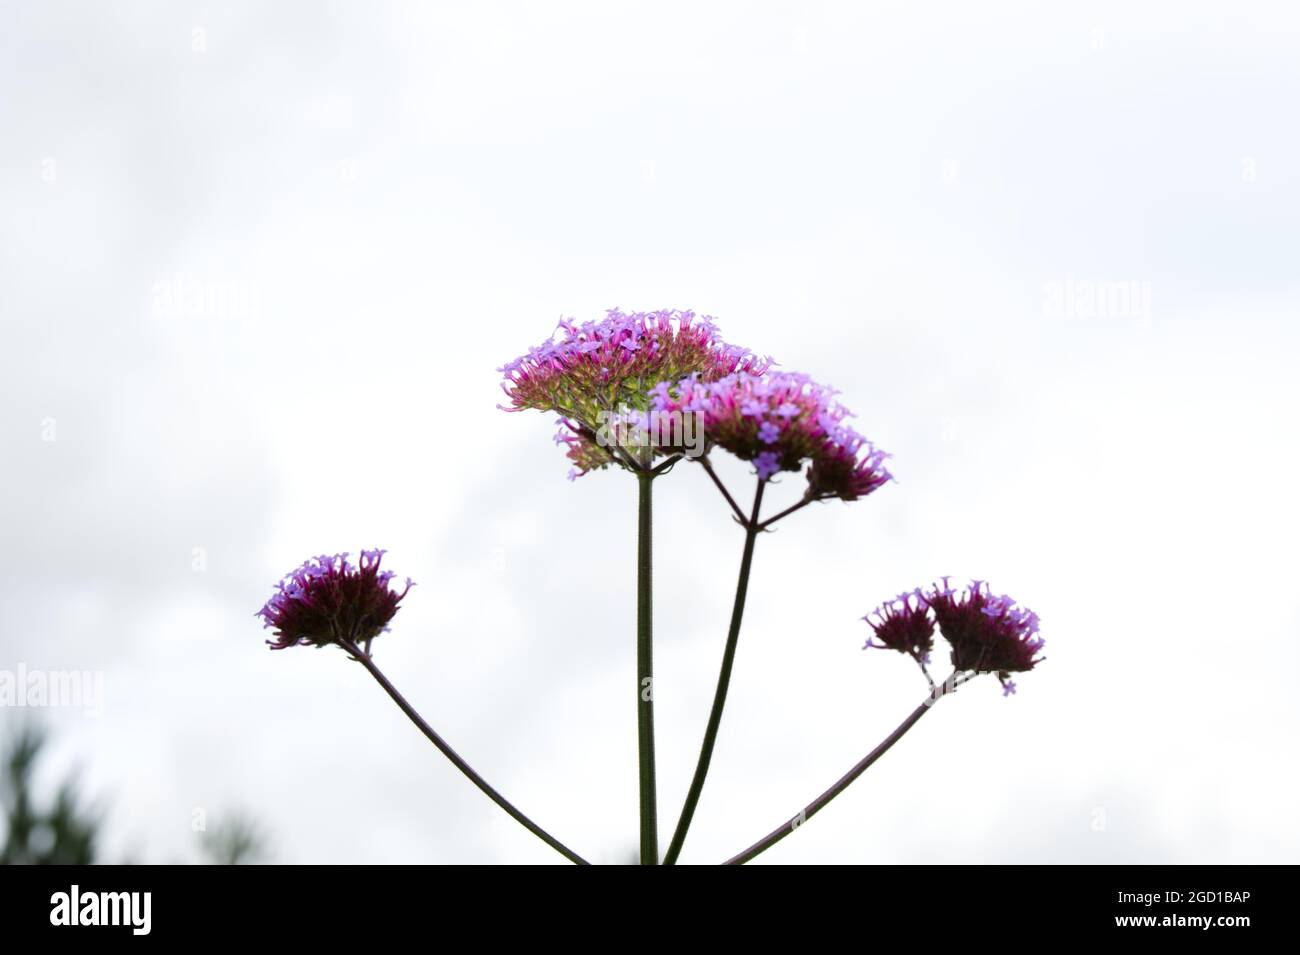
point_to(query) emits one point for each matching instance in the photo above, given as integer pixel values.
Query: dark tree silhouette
(65, 833)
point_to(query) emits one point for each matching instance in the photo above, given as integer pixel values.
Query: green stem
(752, 529)
(422, 725)
(645, 713)
(808, 811)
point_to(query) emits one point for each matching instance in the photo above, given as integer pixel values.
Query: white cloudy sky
(257, 268)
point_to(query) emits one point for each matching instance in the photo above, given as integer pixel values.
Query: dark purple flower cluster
(987, 633)
(902, 625)
(329, 601)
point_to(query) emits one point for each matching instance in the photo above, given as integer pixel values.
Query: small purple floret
(767, 464)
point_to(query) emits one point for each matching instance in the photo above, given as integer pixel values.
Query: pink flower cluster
(780, 420)
(612, 363)
(593, 370)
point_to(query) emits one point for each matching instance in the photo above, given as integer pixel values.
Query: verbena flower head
(780, 421)
(987, 633)
(590, 371)
(328, 601)
(903, 625)
(847, 466)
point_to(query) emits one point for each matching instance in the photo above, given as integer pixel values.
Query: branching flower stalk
(616, 384)
(598, 377)
(328, 601)
(987, 634)
(780, 422)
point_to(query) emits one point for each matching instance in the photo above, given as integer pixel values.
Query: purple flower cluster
(780, 420)
(988, 633)
(329, 601)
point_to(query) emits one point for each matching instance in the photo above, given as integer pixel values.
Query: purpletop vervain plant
(625, 370)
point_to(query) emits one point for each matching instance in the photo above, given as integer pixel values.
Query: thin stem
(645, 713)
(615, 448)
(735, 508)
(364, 659)
(810, 810)
(619, 453)
(665, 466)
(920, 661)
(724, 680)
(804, 502)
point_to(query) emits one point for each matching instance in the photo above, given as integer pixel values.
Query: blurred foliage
(236, 841)
(62, 834)
(66, 832)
